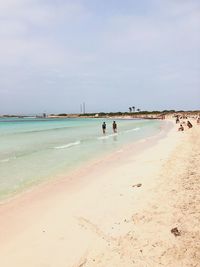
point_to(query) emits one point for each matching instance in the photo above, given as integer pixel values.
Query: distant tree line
(131, 111)
(137, 112)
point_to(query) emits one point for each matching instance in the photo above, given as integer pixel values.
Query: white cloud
(28, 31)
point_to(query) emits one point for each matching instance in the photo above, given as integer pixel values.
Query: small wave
(7, 159)
(68, 145)
(36, 131)
(133, 130)
(4, 160)
(103, 137)
(107, 136)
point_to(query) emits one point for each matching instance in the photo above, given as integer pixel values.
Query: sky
(110, 54)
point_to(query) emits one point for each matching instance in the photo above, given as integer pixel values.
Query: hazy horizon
(70, 113)
(55, 55)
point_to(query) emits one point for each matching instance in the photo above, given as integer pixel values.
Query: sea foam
(68, 145)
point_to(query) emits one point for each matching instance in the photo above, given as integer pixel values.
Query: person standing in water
(114, 127)
(104, 127)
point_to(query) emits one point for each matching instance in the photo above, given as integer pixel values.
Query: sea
(35, 150)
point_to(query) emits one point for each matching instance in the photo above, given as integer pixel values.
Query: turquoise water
(35, 150)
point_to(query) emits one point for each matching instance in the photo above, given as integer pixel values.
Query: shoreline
(105, 220)
(85, 166)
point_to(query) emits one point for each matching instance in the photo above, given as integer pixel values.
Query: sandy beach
(131, 209)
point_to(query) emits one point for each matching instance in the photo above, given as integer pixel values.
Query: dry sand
(119, 213)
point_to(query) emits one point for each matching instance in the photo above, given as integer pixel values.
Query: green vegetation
(137, 113)
(62, 114)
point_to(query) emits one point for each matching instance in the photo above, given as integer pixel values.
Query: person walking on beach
(104, 127)
(114, 127)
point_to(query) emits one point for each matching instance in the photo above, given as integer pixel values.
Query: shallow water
(34, 150)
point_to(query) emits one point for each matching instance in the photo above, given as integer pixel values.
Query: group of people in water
(114, 127)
